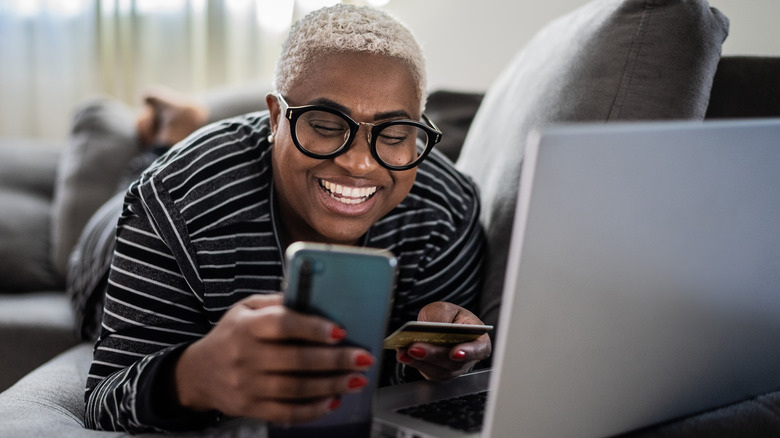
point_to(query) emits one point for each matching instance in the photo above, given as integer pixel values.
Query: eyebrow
(387, 115)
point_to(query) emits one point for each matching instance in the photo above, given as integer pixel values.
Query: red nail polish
(459, 355)
(334, 404)
(338, 333)
(405, 358)
(417, 352)
(364, 360)
(357, 382)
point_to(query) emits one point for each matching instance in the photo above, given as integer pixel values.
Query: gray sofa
(607, 61)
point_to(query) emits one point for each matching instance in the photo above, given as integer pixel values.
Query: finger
(437, 362)
(428, 352)
(286, 412)
(476, 350)
(259, 301)
(268, 319)
(292, 387)
(432, 370)
(439, 358)
(308, 358)
(278, 323)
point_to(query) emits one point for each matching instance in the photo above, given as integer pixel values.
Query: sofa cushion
(26, 181)
(102, 142)
(608, 60)
(34, 327)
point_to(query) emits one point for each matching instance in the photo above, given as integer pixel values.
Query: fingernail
(405, 358)
(459, 355)
(364, 360)
(417, 352)
(338, 333)
(357, 382)
(334, 404)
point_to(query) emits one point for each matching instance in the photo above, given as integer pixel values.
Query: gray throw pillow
(608, 60)
(102, 142)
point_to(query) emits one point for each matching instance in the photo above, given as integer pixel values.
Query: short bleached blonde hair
(344, 29)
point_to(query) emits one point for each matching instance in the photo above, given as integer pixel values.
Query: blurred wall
(468, 42)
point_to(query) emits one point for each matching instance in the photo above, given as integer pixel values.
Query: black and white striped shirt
(197, 234)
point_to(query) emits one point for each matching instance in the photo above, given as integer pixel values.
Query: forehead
(364, 84)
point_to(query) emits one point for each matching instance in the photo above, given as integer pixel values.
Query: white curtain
(55, 53)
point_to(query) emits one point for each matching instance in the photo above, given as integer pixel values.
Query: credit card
(441, 333)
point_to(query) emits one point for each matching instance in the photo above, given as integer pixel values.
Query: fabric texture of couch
(609, 60)
(36, 321)
(604, 62)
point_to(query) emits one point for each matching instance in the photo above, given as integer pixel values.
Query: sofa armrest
(50, 400)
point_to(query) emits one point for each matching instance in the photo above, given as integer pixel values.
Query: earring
(271, 138)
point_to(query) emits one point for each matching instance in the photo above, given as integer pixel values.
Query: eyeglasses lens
(396, 145)
(321, 132)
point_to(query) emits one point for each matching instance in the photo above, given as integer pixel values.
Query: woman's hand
(266, 361)
(437, 362)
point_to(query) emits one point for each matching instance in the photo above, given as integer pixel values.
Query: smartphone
(353, 287)
(440, 333)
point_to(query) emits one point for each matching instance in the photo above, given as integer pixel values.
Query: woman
(194, 326)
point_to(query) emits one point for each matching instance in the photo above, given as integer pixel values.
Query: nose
(357, 159)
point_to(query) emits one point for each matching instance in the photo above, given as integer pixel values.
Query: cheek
(287, 169)
(403, 182)
(287, 160)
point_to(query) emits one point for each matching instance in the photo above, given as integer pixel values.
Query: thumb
(439, 311)
(260, 301)
(447, 312)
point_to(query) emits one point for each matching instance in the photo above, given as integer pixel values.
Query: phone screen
(352, 287)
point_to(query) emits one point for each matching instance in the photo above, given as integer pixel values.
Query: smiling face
(337, 200)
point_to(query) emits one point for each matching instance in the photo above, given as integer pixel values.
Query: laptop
(643, 283)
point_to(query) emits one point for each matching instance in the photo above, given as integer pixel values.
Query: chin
(350, 237)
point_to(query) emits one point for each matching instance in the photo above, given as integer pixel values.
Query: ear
(275, 110)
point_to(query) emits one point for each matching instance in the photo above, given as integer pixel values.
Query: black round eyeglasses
(323, 132)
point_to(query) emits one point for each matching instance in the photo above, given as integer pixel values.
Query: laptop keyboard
(464, 412)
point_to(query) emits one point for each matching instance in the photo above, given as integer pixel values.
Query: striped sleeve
(195, 200)
(149, 311)
(437, 237)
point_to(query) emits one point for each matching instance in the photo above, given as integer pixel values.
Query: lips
(346, 194)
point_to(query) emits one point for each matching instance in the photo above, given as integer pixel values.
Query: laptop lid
(643, 279)
(643, 282)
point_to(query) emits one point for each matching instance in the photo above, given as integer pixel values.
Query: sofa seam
(631, 61)
(57, 409)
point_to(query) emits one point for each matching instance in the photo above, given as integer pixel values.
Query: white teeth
(348, 195)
